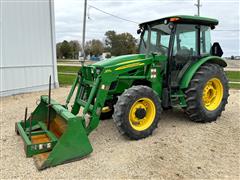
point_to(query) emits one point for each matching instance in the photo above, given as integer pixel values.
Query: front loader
(177, 67)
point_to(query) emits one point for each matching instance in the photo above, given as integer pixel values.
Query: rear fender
(193, 69)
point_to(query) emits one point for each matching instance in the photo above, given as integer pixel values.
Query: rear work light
(174, 19)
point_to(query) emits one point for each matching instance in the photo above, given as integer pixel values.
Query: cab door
(185, 51)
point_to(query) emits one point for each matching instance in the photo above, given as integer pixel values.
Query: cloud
(69, 18)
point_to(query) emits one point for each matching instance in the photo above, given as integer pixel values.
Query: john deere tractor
(177, 66)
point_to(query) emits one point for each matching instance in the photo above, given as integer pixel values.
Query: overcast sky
(69, 18)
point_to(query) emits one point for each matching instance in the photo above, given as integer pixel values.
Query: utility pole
(84, 28)
(198, 7)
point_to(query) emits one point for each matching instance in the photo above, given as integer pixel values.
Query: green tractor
(177, 66)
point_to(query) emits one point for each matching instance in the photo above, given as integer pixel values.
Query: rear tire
(137, 112)
(207, 94)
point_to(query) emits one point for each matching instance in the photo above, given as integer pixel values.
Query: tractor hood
(119, 59)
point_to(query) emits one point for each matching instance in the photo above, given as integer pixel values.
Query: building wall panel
(28, 46)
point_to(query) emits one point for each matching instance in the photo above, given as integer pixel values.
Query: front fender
(192, 70)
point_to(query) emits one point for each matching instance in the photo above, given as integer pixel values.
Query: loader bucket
(55, 140)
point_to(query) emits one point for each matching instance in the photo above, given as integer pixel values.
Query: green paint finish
(59, 109)
(73, 144)
(185, 19)
(117, 60)
(180, 97)
(197, 19)
(192, 70)
(33, 149)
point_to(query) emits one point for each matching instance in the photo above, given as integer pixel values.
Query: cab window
(165, 40)
(205, 41)
(185, 40)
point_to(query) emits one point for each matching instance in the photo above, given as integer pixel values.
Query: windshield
(158, 40)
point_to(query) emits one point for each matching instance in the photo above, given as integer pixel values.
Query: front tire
(137, 112)
(207, 94)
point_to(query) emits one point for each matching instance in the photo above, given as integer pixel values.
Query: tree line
(115, 44)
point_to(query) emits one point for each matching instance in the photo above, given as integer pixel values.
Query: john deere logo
(107, 71)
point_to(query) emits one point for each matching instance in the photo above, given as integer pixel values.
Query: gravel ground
(177, 149)
(233, 65)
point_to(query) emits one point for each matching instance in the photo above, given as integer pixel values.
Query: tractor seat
(183, 56)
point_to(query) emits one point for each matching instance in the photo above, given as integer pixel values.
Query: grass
(233, 76)
(66, 79)
(67, 61)
(68, 69)
(234, 86)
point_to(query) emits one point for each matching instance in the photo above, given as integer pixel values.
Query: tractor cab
(181, 39)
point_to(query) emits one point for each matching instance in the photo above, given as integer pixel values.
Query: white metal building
(27, 49)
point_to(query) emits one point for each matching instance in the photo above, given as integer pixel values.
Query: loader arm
(92, 91)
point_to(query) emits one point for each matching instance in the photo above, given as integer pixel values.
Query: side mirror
(216, 50)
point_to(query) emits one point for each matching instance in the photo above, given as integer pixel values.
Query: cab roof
(184, 19)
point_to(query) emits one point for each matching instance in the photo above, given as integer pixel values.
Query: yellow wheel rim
(146, 105)
(212, 94)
